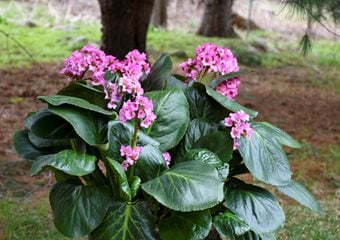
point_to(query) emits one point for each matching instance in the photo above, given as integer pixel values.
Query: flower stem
(135, 133)
(204, 72)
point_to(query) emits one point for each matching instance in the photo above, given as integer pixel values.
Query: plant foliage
(167, 171)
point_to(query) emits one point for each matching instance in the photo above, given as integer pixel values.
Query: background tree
(159, 13)
(217, 19)
(124, 25)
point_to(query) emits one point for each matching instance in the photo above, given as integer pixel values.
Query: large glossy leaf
(150, 163)
(126, 221)
(202, 106)
(68, 161)
(90, 126)
(214, 83)
(172, 112)
(47, 142)
(159, 74)
(120, 184)
(47, 125)
(298, 192)
(187, 186)
(82, 90)
(186, 226)
(77, 209)
(205, 156)
(265, 158)
(57, 100)
(197, 129)
(229, 104)
(24, 147)
(218, 142)
(256, 206)
(122, 134)
(173, 82)
(230, 225)
(265, 128)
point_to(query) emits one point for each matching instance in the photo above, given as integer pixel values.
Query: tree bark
(159, 13)
(217, 19)
(124, 25)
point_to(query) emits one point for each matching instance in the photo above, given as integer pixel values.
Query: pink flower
(240, 126)
(142, 108)
(214, 59)
(167, 158)
(131, 155)
(95, 63)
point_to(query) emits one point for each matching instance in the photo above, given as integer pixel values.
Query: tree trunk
(159, 13)
(124, 25)
(217, 19)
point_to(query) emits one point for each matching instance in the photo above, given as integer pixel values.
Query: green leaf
(197, 129)
(229, 104)
(24, 147)
(47, 125)
(172, 111)
(57, 100)
(82, 90)
(173, 82)
(125, 221)
(122, 134)
(135, 186)
(77, 209)
(187, 186)
(202, 106)
(230, 225)
(45, 142)
(205, 156)
(265, 158)
(159, 73)
(218, 142)
(282, 137)
(120, 184)
(150, 163)
(214, 83)
(256, 206)
(68, 161)
(91, 127)
(186, 226)
(298, 192)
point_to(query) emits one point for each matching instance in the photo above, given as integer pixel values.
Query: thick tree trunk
(217, 19)
(124, 25)
(159, 13)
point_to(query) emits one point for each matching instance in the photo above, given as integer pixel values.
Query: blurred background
(292, 48)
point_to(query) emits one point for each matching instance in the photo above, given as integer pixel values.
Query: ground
(300, 95)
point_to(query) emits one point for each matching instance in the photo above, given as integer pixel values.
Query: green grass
(302, 224)
(20, 221)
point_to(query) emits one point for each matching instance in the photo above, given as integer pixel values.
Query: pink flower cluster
(131, 155)
(167, 158)
(87, 59)
(240, 126)
(141, 108)
(211, 58)
(129, 70)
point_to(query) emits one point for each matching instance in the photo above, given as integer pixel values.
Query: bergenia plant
(138, 153)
